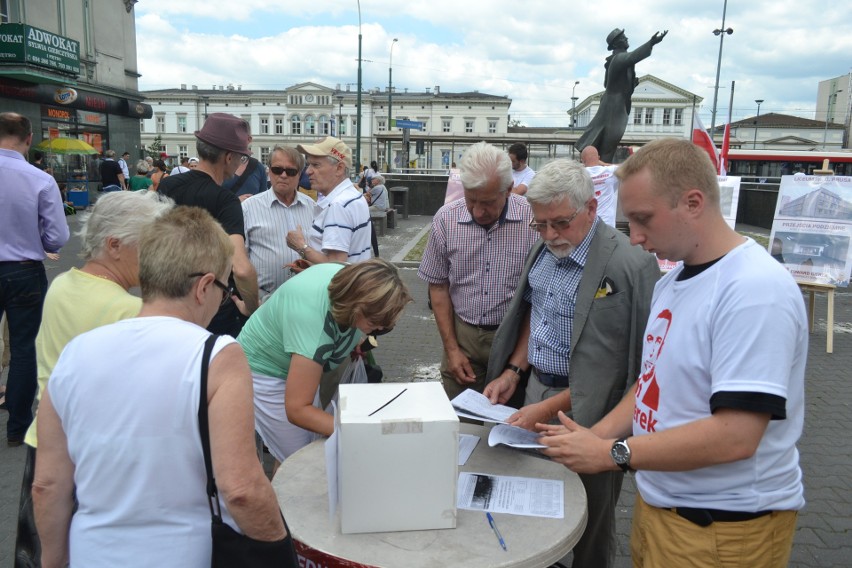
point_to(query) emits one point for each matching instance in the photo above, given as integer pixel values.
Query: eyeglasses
(227, 291)
(243, 159)
(278, 170)
(559, 225)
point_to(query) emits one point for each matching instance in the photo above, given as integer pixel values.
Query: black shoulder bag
(250, 167)
(230, 548)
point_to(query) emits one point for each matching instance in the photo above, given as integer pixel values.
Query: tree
(155, 147)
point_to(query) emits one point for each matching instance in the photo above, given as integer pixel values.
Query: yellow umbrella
(65, 146)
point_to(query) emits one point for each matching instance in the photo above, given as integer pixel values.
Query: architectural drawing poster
(812, 228)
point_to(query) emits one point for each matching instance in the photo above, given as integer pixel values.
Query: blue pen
(497, 532)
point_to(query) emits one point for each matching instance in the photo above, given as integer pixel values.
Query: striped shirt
(343, 224)
(552, 294)
(482, 266)
(267, 222)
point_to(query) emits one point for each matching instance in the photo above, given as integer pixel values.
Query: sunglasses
(278, 170)
(227, 291)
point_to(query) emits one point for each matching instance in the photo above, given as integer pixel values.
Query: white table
(300, 485)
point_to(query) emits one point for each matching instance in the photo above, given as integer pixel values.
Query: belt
(8, 262)
(551, 380)
(706, 517)
(482, 327)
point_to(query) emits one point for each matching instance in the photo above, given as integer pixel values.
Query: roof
(777, 120)
(238, 91)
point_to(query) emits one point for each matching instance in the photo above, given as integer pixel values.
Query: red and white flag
(700, 137)
(726, 145)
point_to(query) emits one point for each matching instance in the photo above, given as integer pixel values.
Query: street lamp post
(756, 119)
(827, 109)
(721, 33)
(340, 116)
(573, 106)
(357, 163)
(390, 106)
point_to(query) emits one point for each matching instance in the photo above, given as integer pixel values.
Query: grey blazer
(606, 342)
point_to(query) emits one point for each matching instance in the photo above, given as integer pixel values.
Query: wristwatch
(620, 454)
(303, 250)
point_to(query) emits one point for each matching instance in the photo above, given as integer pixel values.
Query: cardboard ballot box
(397, 457)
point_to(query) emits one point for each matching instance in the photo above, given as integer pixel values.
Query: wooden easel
(827, 289)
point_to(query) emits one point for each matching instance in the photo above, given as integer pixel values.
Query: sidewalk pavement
(413, 352)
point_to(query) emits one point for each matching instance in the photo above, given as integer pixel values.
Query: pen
(496, 532)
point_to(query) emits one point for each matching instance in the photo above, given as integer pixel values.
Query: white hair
(561, 179)
(483, 162)
(122, 215)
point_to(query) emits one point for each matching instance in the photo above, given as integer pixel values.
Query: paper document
(514, 437)
(331, 465)
(467, 443)
(515, 495)
(471, 404)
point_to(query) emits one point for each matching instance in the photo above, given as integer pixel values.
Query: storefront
(39, 74)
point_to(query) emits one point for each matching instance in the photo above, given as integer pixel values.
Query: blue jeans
(23, 286)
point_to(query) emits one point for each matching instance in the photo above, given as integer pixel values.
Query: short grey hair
(295, 156)
(379, 179)
(483, 162)
(122, 215)
(561, 179)
(142, 167)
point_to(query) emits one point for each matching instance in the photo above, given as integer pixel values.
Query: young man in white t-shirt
(606, 184)
(712, 425)
(522, 174)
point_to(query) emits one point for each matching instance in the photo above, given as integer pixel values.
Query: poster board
(729, 198)
(812, 228)
(455, 189)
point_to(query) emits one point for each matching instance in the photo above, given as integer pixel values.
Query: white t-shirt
(343, 223)
(127, 395)
(738, 326)
(606, 191)
(523, 177)
(178, 170)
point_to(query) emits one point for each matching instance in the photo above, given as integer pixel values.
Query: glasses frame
(227, 291)
(565, 223)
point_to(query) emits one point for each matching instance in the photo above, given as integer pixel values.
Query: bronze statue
(605, 130)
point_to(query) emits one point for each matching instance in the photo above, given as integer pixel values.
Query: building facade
(774, 131)
(304, 112)
(70, 66)
(834, 104)
(658, 109)
(447, 122)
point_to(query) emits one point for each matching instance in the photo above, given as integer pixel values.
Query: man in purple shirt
(473, 263)
(32, 222)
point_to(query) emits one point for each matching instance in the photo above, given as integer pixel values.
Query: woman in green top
(140, 181)
(307, 327)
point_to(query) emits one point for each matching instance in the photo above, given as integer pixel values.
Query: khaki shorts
(661, 539)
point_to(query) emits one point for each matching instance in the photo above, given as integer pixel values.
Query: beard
(560, 248)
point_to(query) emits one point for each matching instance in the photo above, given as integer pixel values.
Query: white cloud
(532, 52)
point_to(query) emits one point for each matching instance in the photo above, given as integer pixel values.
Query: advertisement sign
(813, 228)
(20, 43)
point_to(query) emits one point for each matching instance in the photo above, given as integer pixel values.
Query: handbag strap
(250, 167)
(204, 428)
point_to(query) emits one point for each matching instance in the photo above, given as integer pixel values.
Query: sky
(532, 51)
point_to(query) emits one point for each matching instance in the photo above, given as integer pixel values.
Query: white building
(774, 131)
(834, 103)
(658, 110)
(305, 112)
(450, 121)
